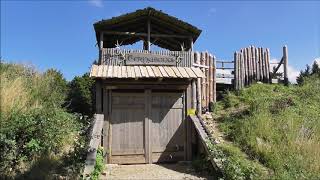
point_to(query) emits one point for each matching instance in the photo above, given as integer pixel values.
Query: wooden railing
(116, 57)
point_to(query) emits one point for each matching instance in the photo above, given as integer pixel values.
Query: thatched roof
(161, 23)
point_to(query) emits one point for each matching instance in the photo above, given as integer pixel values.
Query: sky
(60, 34)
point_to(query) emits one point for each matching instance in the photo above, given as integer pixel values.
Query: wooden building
(145, 95)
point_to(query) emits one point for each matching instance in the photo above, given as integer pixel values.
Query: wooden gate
(167, 127)
(130, 138)
(127, 122)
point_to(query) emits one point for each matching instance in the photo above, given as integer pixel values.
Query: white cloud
(292, 72)
(96, 3)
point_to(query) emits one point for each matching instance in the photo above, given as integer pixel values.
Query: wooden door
(127, 122)
(168, 130)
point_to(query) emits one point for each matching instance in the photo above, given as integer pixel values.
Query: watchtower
(145, 95)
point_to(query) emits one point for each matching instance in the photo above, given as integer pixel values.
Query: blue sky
(60, 34)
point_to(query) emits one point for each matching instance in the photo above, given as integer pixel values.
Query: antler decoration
(182, 46)
(118, 45)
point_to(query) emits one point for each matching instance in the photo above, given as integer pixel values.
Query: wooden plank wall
(251, 64)
(112, 56)
(205, 87)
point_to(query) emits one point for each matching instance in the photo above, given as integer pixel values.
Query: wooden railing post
(285, 65)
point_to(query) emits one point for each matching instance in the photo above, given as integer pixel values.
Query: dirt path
(153, 171)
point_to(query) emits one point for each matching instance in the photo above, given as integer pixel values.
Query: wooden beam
(285, 65)
(145, 34)
(148, 35)
(148, 125)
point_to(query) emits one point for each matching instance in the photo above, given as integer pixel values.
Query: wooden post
(199, 110)
(245, 66)
(261, 64)
(236, 71)
(211, 78)
(285, 65)
(257, 63)
(98, 97)
(148, 125)
(242, 68)
(249, 64)
(253, 56)
(268, 66)
(203, 81)
(149, 32)
(194, 95)
(207, 79)
(191, 44)
(214, 85)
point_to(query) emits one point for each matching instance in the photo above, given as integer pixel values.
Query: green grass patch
(278, 126)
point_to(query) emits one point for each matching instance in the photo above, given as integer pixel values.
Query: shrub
(33, 122)
(80, 97)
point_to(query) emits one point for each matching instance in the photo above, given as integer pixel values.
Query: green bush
(33, 122)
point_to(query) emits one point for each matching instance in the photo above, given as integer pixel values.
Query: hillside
(277, 126)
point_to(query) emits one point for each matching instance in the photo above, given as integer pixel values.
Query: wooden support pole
(236, 71)
(148, 125)
(249, 64)
(149, 35)
(98, 97)
(268, 66)
(210, 78)
(241, 70)
(257, 63)
(253, 56)
(203, 81)
(199, 110)
(194, 94)
(191, 44)
(214, 85)
(261, 64)
(285, 65)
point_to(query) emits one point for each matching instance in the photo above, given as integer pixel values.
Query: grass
(99, 166)
(276, 125)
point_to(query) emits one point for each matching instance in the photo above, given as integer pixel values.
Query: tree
(303, 74)
(315, 68)
(81, 95)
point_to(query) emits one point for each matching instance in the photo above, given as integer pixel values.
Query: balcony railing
(117, 57)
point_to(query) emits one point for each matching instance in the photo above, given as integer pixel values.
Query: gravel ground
(153, 171)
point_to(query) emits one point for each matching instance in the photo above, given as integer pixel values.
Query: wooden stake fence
(252, 64)
(205, 87)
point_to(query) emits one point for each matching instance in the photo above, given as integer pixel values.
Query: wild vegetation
(276, 125)
(40, 135)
